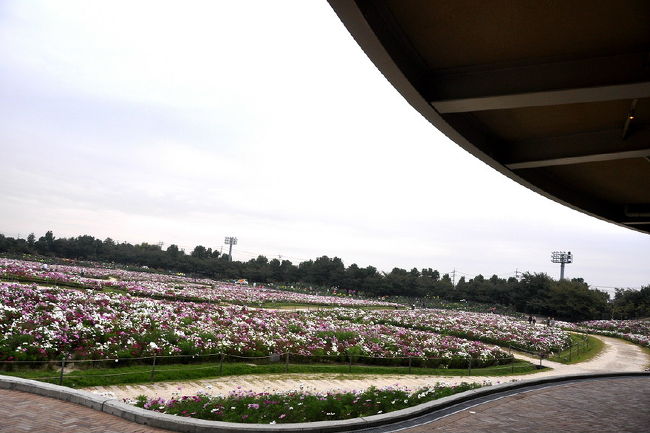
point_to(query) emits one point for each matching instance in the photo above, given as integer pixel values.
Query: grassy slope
(581, 351)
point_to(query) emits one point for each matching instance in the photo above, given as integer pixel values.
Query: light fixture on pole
(230, 240)
(562, 258)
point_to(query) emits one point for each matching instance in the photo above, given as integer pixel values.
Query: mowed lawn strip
(184, 372)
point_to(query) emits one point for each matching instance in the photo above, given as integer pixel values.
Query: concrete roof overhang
(554, 94)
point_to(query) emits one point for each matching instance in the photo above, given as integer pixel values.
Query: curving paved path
(603, 405)
(618, 355)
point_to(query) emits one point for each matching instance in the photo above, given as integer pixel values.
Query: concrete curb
(190, 425)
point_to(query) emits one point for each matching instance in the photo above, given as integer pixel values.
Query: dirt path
(618, 355)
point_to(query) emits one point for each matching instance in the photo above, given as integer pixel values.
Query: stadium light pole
(230, 240)
(562, 258)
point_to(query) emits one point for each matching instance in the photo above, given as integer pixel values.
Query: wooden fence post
(153, 368)
(62, 367)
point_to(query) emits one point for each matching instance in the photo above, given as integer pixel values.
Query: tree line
(533, 293)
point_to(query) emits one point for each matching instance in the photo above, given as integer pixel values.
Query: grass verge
(183, 372)
(582, 349)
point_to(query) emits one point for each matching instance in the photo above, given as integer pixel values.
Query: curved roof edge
(356, 23)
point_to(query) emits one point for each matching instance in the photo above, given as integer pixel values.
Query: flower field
(292, 407)
(636, 331)
(172, 287)
(641, 327)
(485, 327)
(107, 313)
(41, 323)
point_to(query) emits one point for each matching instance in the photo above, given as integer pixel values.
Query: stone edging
(191, 425)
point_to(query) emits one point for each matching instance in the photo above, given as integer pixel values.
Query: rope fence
(351, 359)
(348, 358)
(575, 347)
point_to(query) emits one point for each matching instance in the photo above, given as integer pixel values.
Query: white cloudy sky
(185, 122)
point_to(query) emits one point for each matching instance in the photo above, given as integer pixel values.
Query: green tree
(200, 252)
(31, 240)
(572, 300)
(173, 251)
(631, 304)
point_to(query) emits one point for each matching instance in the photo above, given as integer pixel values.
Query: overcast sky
(184, 122)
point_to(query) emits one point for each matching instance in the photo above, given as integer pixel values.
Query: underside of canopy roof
(553, 94)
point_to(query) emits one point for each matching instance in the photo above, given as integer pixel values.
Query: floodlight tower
(230, 240)
(562, 258)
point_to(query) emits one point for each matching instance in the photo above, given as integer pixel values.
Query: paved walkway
(603, 405)
(606, 405)
(25, 412)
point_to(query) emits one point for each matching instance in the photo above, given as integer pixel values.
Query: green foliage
(339, 335)
(296, 329)
(631, 304)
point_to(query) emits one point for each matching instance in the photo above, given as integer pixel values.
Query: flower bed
(174, 287)
(38, 323)
(237, 294)
(39, 272)
(264, 408)
(641, 327)
(485, 327)
(636, 331)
